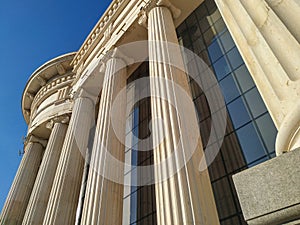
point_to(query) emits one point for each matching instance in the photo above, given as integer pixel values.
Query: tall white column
(62, 204)
(41, 191)
(103, 203)
(288, 11)
(268, 40)
(186, 197)
(19, 194)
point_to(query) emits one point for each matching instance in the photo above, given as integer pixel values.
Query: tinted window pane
(251, 144)
(268, 131)
(238, 112)
(227, 41)
(234, 58)
(221, 67)
(229, 88)
(244, 78)
(255, 103)
(214, 50)
(219, 27)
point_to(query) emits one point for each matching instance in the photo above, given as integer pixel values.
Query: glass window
(255, 103)
(214, 50)
(252, 146)
(235, 58)
(204, 24)
(222, 68)
(238, 112)
(244, 78)
(268, 131)
(229, 88)
(219, 27)
(227, 41)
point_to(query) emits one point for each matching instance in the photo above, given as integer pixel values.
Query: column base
(269, 193)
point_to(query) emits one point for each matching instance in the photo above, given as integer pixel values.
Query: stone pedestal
(62, 204)
(270, 192)
(40, 193)
(103, 203)
(19, 194)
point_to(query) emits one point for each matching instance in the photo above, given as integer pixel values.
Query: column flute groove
(103, 203)
(20, 191)
(180, 198)
(61, 208)
(41, 191)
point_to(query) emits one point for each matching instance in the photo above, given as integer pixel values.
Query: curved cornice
(41, 76)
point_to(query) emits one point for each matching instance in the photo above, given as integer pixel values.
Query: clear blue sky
(31, 33)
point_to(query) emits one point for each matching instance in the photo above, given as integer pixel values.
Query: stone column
(185, 197)
(268, 40)
(19, 194)
(62, 204)
(103, 203)
(288, 12)
(41, 191)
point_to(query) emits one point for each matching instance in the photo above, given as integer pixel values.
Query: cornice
(38, 76)
(52, 87)
(103, 27)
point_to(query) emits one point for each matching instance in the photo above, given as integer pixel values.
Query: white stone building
(90, 119)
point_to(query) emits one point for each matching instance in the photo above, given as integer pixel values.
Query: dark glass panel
(244, 78)
(221, 67)
(238, 113)
(252, 146)
(229, 88)
(255, 103)
(268, 131)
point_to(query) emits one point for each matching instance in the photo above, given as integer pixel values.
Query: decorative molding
(60, 119)
(52, 86)
(29, 95)
(174, 10)
(34, 139)
(143, 17)
(60, 69)
(118, 54)
(99, 28)
(41, 80)
(82, 93)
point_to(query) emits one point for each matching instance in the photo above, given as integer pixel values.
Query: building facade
(112, 140)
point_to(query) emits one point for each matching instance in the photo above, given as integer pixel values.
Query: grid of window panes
(139, 201)
(250, 132)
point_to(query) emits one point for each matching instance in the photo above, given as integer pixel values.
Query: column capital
(82, 93)
(116, 53)
(143, 20)
(34, 139)
(59, 119)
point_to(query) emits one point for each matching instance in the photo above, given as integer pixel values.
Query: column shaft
(288, 11)
(41, 191)
(103, 203)
(270, 47)
(186, 197)
(19, 194)
(61, 208)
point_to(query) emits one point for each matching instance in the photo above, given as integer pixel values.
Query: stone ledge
(269, 193)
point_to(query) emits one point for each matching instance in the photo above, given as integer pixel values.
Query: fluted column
(41, 191)
(185, 197)
(288, 12)
(19, 194)
(103, 202)
(268, 40)
(62, 204)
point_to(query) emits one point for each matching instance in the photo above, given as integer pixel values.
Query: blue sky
(31, 33)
